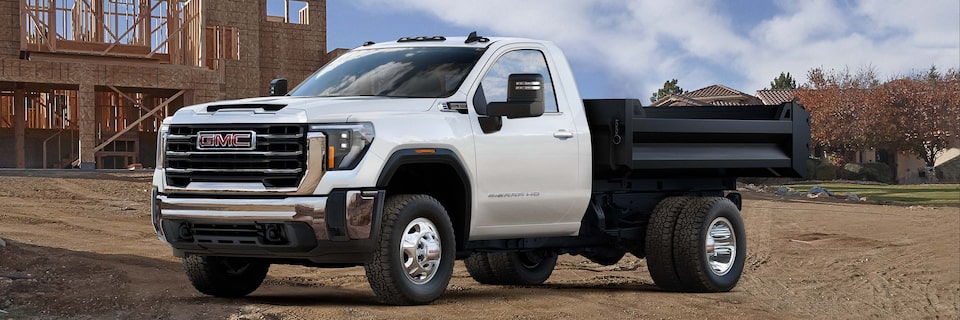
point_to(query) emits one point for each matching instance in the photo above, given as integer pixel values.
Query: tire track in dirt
(869, 270)
(848, 260)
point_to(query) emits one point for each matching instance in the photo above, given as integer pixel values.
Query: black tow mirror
(278, 87)
(524, 97)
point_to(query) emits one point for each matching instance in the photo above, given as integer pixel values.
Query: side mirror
(278, 87)
(524, 97)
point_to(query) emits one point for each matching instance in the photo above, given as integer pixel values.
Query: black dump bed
(731, 141)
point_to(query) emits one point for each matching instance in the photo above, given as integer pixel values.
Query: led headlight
(162, 145)
(346, 143)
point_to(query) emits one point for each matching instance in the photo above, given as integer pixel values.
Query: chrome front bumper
(340, 216)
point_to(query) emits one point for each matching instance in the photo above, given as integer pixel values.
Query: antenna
(473, 37)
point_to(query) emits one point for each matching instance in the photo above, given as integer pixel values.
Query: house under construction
(87, 82)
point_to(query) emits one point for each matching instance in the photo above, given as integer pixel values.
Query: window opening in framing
(165, 30)
(288, 11)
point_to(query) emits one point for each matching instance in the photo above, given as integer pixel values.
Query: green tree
(669, 87)
(933, 74)
(783, 82)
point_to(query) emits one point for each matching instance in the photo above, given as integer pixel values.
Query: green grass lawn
(924, 194)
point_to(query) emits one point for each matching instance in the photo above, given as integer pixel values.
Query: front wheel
(223, 276)
(414, 260)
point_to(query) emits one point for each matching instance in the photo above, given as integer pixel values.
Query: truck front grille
(278, 158)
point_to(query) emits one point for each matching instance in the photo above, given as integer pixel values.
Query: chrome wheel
(721, 246)
(420, 250)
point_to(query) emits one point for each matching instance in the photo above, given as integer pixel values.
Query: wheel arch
(436, 172)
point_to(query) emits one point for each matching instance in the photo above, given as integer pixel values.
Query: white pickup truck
(408, 155)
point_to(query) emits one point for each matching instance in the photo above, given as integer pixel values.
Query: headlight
(346, 143)
(162, 145)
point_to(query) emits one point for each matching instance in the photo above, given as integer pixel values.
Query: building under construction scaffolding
(86, 82)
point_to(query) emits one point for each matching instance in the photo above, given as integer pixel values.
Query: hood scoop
(246, 107)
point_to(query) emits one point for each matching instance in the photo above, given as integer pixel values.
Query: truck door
(527, 169)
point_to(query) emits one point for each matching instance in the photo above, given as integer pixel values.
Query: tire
(424, 222)
(604, 256)
(478, 265)
(708, 258)
(659, 245)
(511, 268)
(224, 277)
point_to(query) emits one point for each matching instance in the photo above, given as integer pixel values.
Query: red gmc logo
(233, 140)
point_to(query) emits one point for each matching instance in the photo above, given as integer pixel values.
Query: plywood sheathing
(291, 50)
(9, 29)
(19, 114)
(88, 122)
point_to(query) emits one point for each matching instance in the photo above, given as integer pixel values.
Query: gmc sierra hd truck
(405, 156)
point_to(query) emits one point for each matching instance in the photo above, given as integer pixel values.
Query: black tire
(386, 273)
(478, 265)
(225, 277)
(511, 268)
(696, 273)
(659, 246)
(605, 256)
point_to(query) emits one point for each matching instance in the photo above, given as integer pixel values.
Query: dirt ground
(80, 246)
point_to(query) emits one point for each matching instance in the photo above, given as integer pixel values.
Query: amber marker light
(330, 157)
(425, 151)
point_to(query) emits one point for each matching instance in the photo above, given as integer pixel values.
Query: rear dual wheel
(511, 268)
(696, 244)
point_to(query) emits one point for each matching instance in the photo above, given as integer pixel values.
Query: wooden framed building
(86, 83)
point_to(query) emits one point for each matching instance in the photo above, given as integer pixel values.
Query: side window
(494, 83)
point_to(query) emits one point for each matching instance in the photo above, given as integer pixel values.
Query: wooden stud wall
(158, 30)
(53, 109)
(114, 112)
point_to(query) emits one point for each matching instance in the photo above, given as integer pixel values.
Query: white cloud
(641, 43)
(895, 37)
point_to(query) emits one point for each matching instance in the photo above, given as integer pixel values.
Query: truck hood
(298, 109)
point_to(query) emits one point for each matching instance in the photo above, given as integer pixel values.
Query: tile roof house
(715, 95)
(775, 97)
(720, 95)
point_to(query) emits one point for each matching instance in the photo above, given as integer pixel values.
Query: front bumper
(336, 228)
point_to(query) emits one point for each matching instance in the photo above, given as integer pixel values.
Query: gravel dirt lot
(80, 246)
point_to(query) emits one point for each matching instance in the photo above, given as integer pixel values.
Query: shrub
(852, 171)
(825, 172)
(820, 169)
(877, 171)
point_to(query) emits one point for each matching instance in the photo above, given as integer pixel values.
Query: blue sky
(628, 48)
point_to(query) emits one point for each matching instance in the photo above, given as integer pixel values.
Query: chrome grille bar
(278, 159)
(258, 153)
(287, 171)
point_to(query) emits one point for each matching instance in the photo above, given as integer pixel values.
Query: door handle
(563, 134)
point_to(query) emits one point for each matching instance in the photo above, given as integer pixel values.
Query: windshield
(431, 72)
